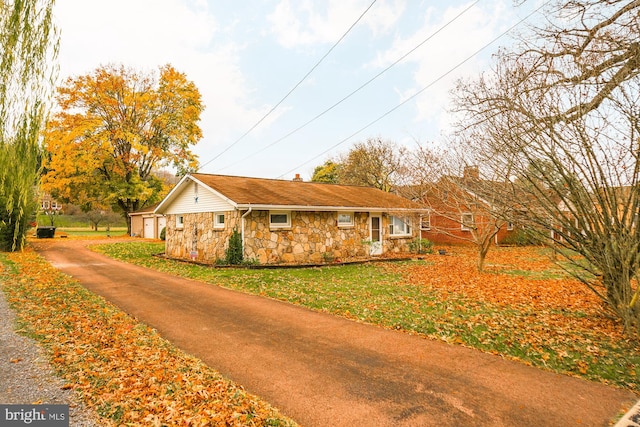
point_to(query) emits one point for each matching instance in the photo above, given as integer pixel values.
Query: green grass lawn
(74, 225)
(113, 232)
(576, 340)
(74, 222)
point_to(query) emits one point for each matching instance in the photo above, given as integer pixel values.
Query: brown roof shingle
(274, 192)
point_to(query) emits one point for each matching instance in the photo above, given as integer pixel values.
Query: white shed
(145, 223)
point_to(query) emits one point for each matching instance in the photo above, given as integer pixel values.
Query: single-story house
(284, 221)
(146, 223)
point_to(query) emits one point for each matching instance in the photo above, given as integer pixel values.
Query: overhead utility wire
(293, 88)
(417, 93)
(354, 92)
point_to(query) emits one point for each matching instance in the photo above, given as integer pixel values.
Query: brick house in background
(460, 206)
(284, 221)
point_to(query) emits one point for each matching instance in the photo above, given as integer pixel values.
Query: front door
(376, 235)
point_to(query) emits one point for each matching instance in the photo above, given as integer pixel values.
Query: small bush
(246, 262)
(520, 237)
(250, 261)
(163, 233)
(327, 257)
(421, 246)
(234, 250)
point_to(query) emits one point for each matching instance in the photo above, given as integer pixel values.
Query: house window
(510, 226)
(425, 222)
(45, 204)
(466, 221)
(399, 226)
(345, 219)
(179, 222)
(279, 219)
(218, 220)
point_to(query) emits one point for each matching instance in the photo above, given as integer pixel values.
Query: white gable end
(196, 198)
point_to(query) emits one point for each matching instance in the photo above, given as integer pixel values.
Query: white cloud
(146, 34)
(384, 15)
(300, 23)
(450, 55)
(136, 33)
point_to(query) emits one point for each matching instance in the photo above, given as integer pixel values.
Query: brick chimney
(298, 178)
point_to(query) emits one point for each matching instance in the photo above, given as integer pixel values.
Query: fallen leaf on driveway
(123, 369)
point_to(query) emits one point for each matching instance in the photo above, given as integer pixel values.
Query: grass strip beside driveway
(522, 308)
(121, 368)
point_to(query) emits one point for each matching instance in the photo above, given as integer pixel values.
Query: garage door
(148, 228)
(162, 222)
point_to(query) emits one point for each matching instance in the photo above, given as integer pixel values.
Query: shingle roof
(145, 210)
(273, 192)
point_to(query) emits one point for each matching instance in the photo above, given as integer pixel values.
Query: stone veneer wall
(198, 240)
(313, 237)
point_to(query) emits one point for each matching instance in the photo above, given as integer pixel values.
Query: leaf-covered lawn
(523, 306)
(122, 368)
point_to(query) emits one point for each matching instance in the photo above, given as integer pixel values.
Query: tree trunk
(128, 219)
(617, 282)
(483, 249)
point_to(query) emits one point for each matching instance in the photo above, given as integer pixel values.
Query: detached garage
(145, 223)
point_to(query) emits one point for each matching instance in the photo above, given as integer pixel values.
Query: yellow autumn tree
(114, 127)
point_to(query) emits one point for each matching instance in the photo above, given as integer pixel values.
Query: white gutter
(242, 227)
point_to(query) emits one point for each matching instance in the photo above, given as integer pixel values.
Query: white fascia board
(473, 194)
(215, 192)
(486, 202)
(178, 188)
(172, 194)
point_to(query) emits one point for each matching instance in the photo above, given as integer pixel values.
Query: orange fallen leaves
(456, 273)
(525, 307)
(123, 369)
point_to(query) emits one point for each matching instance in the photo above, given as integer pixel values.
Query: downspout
(242, 227)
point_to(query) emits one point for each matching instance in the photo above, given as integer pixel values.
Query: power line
(293, 88)
(353, 92)
(417, 93)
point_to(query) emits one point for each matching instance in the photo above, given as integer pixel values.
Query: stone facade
(198, 239)
(313, 237)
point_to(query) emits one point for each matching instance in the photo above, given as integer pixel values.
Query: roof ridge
(282, 180)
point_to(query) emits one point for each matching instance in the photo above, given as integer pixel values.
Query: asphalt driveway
(322, 370)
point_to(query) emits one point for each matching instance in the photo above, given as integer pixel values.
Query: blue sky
(244, 56)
